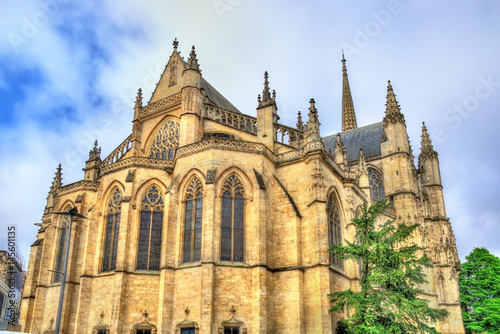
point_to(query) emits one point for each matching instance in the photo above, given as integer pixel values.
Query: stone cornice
(79, 185)
(137, 162)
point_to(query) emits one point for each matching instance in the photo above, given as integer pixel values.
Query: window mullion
(149, 237)
(111, 244)
(193, 226)
(232, 226)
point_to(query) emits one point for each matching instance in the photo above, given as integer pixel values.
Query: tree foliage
(479, 282)
(391, 272)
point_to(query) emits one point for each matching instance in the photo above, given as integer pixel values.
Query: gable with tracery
(165, 142)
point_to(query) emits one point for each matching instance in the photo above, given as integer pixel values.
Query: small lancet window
(334, 227)
(376, 181)
(61, 247)
(193, 221)
(232, 220)
(165, 142)
(151, 221)
(112, 231)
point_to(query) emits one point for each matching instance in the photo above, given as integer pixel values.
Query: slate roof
(366, 137)
(217, 98)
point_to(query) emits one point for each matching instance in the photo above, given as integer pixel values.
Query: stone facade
(206, 219)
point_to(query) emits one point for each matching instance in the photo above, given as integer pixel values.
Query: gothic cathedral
(208, 220)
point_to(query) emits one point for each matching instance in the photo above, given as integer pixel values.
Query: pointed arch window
(61, 246)
(166, 142)
(193, 221)
(113, 216)
(376, 180)
(334, 227)
(232, 220)
(150, 226)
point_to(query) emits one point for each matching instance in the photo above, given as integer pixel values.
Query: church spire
(348, 115)
(392, 108)
(426, 148)
(192, 61)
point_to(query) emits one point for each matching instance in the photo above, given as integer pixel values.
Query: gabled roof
(171, 81)
(217, 98)
(367, 138)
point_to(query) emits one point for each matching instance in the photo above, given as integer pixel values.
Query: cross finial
(175, 43)
(145, 315)
(102, 315)
(232, 310)
(187, 311)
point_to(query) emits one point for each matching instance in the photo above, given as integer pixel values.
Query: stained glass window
(166, 142)
(193, 221)
(334, 227)
(150, 225)
(112, 231)
(376, 180)
(232, 220)
(61, 248)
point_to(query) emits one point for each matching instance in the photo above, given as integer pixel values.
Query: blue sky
(70, 71)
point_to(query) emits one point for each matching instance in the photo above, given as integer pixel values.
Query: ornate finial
(312, 107)
(348, 115)
(95, 152)
(313, 112)
(274, 94)
(175, 43)
(192, 61)
(392, 109)
(138, 100)
(186, 311)
(265, 92)
(362, 162)
(258, 98)
(300, 123)
(57, 182)
(232, 311)
(102, 315)
(312, 132)
(51, 327)
(145, 315)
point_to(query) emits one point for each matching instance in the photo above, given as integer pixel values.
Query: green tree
(388, 298)
(479, 282)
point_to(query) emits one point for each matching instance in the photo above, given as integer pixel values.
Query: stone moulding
(162, 104)
(80, 185)
(137, 162)
(225, 144)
